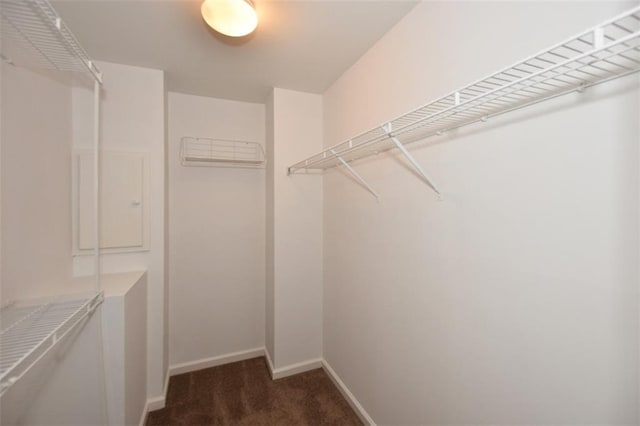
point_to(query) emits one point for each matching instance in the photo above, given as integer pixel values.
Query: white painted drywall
(135, 350)
(515, 299)
(216, 237)
(124, 319)
(296, 234)
(36, 184)
(132, 119)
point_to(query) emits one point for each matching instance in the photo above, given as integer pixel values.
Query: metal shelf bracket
(388, 130)
(357, 176)
(600, 54)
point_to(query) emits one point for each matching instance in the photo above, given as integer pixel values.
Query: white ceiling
(299, 45)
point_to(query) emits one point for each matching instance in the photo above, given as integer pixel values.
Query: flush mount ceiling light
(235, 18)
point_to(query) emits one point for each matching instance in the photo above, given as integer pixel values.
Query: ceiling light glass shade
(235, 18)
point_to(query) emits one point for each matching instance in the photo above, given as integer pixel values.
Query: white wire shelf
(603, 53)
(30, 329)
(220, 153)
(34, 36)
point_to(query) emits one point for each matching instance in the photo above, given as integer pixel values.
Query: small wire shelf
(221, 153)
(606, 52)
(33, 35)
(29, 329)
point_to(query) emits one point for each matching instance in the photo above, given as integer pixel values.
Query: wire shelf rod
(602, 53)
(34, 330)
(487, 117)
(499, 93)
(35, 23)
(496, 92)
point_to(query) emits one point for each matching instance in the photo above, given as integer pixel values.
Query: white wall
(515, 299)
(124, 335)
(36, 183)
(135, 322)
(217, 234)
(132, 119)
(295, 240)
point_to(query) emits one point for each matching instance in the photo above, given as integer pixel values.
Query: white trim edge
(269, 363)
(201, 364)
(357, 407)
(143, 417)
(299, 367)
(156, 403)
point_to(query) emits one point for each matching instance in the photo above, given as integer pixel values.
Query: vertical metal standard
(356, 175)
(421, 172)
(96, 180)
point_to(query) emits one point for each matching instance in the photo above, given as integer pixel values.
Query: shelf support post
(356, 175)
(96, 182)
(414, 163)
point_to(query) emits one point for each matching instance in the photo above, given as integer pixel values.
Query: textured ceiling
(299, 45)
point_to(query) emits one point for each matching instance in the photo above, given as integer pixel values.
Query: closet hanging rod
(603, 53)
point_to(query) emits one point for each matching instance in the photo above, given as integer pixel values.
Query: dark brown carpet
(243, 393)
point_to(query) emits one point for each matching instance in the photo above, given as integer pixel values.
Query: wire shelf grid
(33, 35)
(221, 153)
(28, 330)
(608, 51)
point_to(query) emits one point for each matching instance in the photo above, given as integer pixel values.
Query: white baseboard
(292, 369)
(143, 417)
(269, 363)
(276, 373)
(289, 370)
(156, 403)
(159, 402)
(200, 364)
(357, 407)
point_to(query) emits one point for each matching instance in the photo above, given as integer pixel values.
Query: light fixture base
(233, 18)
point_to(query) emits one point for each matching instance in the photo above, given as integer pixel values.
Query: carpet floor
(242, 393)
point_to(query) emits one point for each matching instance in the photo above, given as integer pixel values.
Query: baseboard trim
(269, 363)
(143, 417)
(158, 402)
(290, 370)
(297, 368)
(357, 407)
(200, 364)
